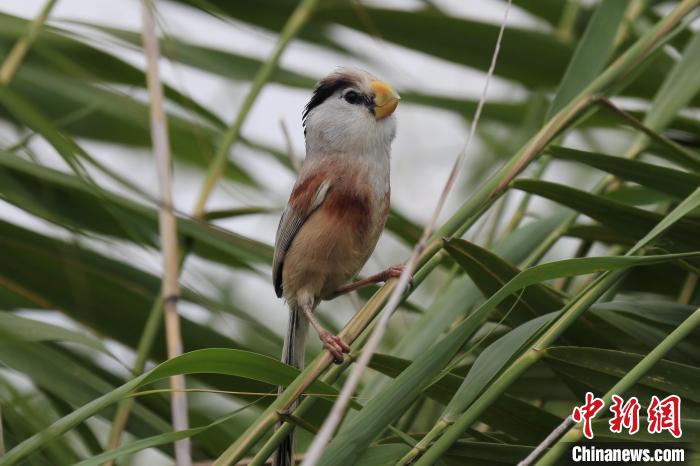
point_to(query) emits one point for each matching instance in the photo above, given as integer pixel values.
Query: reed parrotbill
(337, 209)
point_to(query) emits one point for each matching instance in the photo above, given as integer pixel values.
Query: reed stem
(168, 230)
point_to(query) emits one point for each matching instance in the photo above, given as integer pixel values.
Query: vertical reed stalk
(168, 230)
(216, 168)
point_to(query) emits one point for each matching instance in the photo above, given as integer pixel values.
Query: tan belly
(329, 249)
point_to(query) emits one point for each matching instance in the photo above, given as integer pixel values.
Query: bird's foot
(395, 271)
(335, 345)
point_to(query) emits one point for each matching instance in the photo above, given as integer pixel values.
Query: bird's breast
(338, 238)
(353, 209)
(359, 199)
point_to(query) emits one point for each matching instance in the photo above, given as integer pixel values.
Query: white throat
(361, 145)
(332, 132)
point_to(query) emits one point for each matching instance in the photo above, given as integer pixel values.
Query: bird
(337, 209)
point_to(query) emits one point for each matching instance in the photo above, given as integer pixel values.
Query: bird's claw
(335, 345)
(395, 271)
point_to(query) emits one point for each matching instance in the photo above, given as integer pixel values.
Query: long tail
(292, 354)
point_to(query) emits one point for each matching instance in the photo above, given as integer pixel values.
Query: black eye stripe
(341, 84)
(356, 98)
(353, 97)
(324, 89)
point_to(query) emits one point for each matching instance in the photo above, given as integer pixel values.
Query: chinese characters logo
(662, 415)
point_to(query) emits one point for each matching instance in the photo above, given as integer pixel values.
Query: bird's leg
(331, 342)
(394, 271)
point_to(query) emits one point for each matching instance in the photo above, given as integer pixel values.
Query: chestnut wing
(307, 196)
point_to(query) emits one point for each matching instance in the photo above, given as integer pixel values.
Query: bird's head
(350, 111)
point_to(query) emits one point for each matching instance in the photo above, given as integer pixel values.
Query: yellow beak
(385, 99)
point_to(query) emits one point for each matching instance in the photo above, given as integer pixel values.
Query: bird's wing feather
(306, 197)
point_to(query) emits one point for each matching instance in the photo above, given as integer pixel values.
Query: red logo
(661, 415)
(586, 413)
(624, 415)
(665, 415)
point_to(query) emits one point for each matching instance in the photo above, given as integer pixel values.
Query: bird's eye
(352, 97)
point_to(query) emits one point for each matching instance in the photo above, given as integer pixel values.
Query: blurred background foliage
(79, 251)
